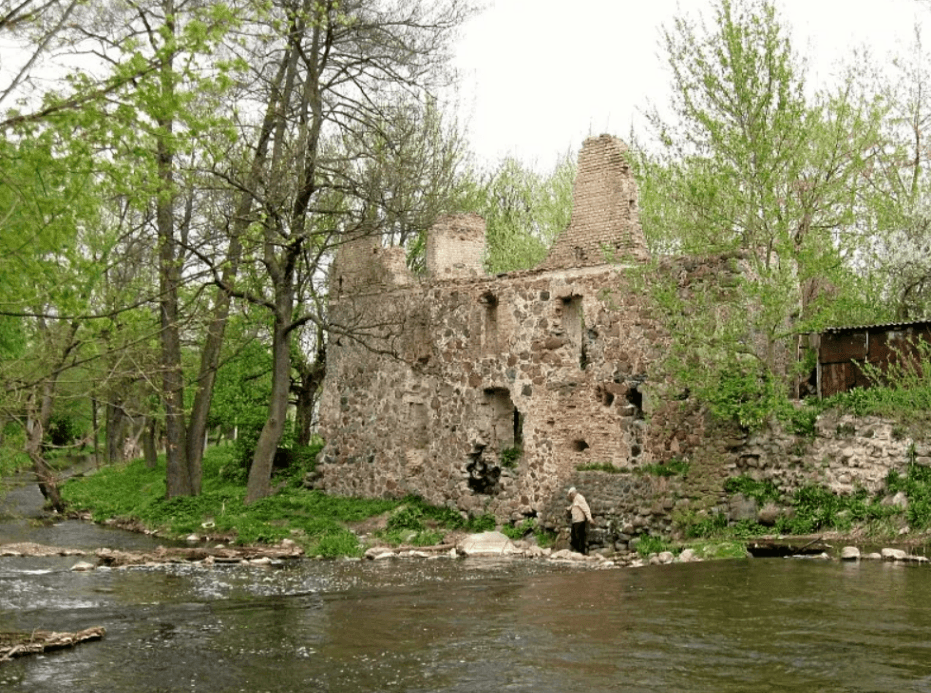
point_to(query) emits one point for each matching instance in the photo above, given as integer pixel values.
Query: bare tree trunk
(116, 432)
(35, 432)
(38, 415)
(259, 484)
(150, 442)
(311, 374)
(179, 480)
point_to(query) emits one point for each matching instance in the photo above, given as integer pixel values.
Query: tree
(524, 211)
(46, 282)
(752, 164)
(897, 193)
(333, 74)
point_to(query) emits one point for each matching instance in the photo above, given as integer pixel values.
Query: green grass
(316, 521)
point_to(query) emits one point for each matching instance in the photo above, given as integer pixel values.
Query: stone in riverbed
(83, 567)
(850, 553)
(688, 556)
(486, 544)
(893, 554)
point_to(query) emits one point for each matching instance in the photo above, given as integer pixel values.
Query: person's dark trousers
(577, 538)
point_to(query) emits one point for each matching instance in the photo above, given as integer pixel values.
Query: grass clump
(649, 545)
(600, 467)
(674, 467)
(510, 457)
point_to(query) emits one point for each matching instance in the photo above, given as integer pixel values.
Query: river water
(470, 625)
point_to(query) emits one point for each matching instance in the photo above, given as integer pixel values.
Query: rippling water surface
(476, 625)
(467, 625)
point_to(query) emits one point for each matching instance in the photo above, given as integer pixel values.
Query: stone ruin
(494, 394)
(486, 393)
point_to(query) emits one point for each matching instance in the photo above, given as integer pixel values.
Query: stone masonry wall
(847, 453)
(433, 383)
(436, 382)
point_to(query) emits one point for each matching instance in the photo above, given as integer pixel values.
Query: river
(468, 625)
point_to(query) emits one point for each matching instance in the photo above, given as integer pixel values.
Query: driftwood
(30, 549)
(115, 559)
(227, 554)
(19, 644)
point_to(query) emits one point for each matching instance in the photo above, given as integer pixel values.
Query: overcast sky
(538, 76)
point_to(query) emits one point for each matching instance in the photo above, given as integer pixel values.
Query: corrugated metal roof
(878, 326)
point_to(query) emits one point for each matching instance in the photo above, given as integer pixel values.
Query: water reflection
(764, 625)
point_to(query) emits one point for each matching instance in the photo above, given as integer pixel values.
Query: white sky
(538, 76)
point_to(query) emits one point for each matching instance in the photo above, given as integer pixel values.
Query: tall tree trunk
(259, 484)
(210, 355)
(310, 377)
(150, 442)
(179, 480)
(116, 432)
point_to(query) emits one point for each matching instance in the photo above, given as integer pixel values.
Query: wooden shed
(842, 350)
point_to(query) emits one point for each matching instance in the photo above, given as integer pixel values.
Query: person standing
(581, 515)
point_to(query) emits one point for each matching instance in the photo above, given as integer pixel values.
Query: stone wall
(847, 453)
(432, 383)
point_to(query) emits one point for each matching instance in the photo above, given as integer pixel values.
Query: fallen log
(37, 641)
(116, 559)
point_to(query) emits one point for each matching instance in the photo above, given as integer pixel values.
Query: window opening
(490, 331)
(573, 325)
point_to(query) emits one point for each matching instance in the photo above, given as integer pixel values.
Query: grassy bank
(320, 523)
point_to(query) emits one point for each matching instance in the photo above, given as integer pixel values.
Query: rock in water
(850, 553)
(486, 544)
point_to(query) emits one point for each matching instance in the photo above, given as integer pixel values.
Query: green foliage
(64, 429)
(761, 491)
(521, 530)
(755, 168)
(524, 211)
(673, 467)
(916, 484)
(510, 456)
(648, 545)
(707, 526)
(481, 523)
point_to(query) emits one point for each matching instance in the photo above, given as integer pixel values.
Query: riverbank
(131, 496)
